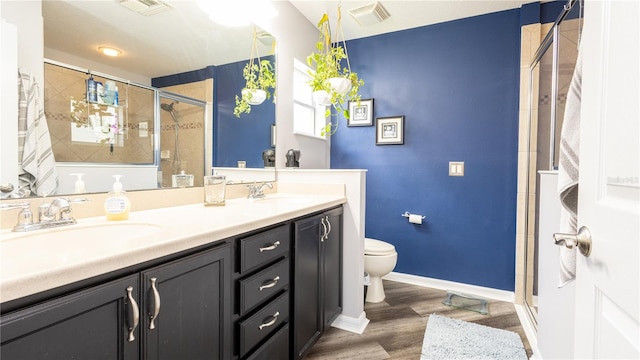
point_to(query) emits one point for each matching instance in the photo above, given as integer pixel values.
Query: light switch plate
(456, 168)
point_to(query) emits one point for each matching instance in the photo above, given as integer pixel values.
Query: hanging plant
(259, 80)
(332, 84)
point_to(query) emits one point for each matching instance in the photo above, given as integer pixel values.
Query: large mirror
(167, 48)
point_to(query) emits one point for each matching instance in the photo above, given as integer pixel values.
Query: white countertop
(32, 263)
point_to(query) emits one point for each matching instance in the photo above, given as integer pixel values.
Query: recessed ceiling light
(109, 51)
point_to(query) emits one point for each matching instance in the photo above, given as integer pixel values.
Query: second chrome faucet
(256, 190)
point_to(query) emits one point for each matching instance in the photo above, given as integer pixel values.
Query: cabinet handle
(156, 304)
(324, 227)
(270, 322)
(134, 314)
(270, 247)
(271, 283)
(329, 225)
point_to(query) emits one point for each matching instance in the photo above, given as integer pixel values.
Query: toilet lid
(377, 247)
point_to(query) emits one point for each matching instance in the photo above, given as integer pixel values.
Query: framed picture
(390, 130)
(360, 113)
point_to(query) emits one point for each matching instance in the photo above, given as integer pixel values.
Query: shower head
(169, 108)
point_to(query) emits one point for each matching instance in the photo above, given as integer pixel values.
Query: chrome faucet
(57, 213)
(255, 190)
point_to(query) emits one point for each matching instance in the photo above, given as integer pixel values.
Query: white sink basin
(79, 239)
(89, 232)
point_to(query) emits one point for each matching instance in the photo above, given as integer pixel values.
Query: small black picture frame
(390, 130)
(360, 113)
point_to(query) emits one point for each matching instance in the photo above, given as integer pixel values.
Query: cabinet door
(88, 324)
(332, 268)
(187, 307)
(307, 322)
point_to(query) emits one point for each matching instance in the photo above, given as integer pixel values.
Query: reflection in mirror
(97, 132)
(178, 40)
(182, 124)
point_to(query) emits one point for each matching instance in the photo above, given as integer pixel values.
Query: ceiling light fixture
(110, 51)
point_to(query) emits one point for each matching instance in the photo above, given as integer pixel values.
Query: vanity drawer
(263, 285)
(262, 248)
(263, 323)
(277, 347)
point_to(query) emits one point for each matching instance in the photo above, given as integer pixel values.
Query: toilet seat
(374, 247)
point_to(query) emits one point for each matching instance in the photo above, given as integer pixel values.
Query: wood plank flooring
(398, 323)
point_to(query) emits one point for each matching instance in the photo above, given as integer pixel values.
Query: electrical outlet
(456, 168)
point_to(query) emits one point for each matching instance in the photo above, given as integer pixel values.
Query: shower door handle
(582, 240)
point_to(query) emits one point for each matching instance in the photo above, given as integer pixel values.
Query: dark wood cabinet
(88, 324)
(268, 294)
(188, 302)
(317, 277)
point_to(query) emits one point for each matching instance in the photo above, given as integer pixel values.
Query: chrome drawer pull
(271, 283)
(135, 314)
(271, 247)
(271, 322)
(156, 307)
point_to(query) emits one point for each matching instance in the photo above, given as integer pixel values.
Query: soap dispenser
(117, 205)
(79, 185)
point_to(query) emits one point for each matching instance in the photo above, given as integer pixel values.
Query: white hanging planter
(340, 85)
(254, 96)
(322, 97)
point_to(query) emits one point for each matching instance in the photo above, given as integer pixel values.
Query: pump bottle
(117, 205)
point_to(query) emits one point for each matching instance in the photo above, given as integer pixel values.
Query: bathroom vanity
(208, 282)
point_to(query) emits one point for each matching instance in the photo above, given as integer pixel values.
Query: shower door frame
(550, 42)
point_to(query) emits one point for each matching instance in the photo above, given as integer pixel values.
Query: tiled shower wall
(61, 85)
(191, 132)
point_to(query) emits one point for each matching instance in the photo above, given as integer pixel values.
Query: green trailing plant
(328, 63)
(258, 75)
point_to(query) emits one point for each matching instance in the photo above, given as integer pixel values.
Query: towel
(36, 164)
(568, 171)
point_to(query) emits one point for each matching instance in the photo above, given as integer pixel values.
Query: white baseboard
(495, 294)
(354, 325)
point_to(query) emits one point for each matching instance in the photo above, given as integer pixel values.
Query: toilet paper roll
(415, 219)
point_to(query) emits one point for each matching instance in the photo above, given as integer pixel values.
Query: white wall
(353, 317)
(8, 105)
(296, 40)
(25, 19)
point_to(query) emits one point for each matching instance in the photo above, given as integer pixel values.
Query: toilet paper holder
(408, 214)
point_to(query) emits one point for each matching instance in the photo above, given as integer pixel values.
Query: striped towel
(36, 164)
(568, 170)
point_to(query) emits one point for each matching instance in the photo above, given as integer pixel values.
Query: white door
(607, 303)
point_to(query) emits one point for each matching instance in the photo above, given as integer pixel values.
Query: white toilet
(379, 259)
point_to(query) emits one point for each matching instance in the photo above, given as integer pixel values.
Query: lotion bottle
(117, 205)
(79, 185)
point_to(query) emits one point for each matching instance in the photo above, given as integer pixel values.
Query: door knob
(582, 240)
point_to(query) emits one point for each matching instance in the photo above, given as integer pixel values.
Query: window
(308, 118)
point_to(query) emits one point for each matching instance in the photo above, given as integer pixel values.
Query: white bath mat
(447, 338)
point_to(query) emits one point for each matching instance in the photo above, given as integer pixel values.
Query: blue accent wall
(457, 84)
(242, 138)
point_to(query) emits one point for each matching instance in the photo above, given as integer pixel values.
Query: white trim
(529, 330)
(354, 325)
(495, 294)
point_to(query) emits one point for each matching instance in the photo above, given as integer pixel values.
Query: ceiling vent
(370, 14)
(146, 7)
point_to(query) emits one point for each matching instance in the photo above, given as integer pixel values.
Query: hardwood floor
(398, 323)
